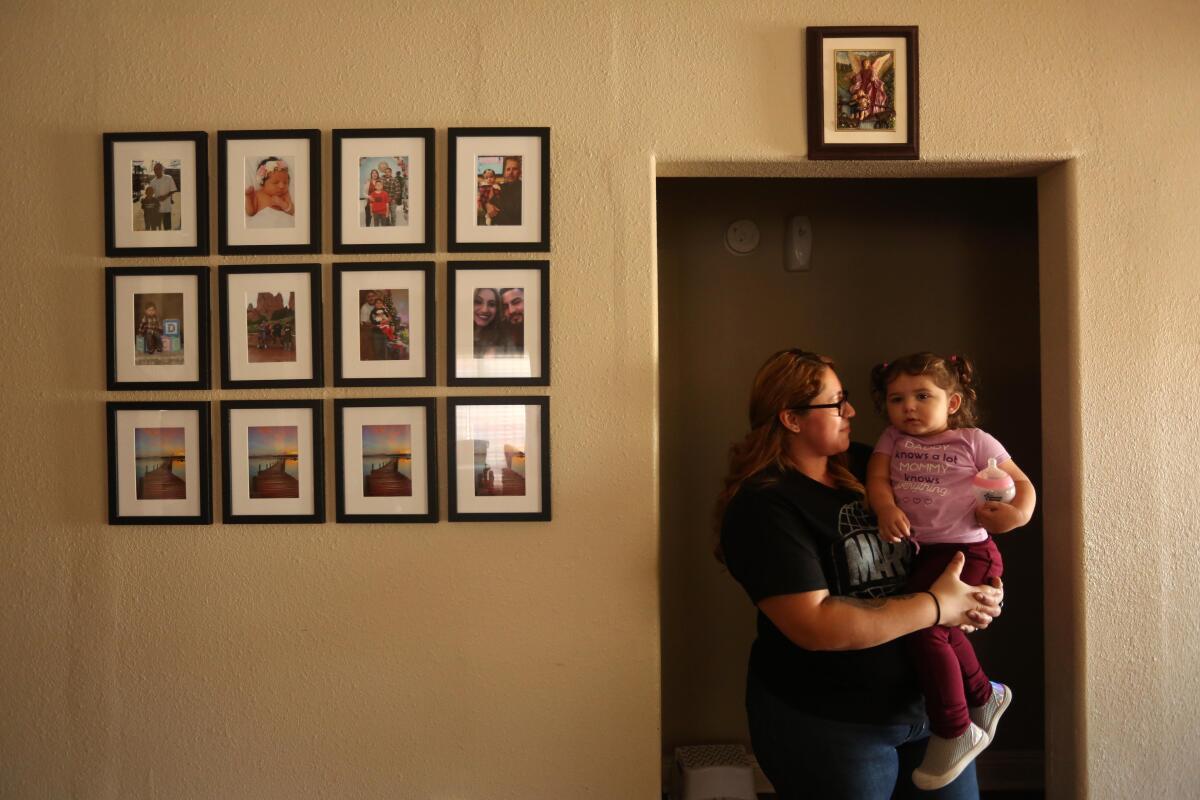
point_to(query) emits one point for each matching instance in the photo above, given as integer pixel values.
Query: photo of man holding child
(498, 200)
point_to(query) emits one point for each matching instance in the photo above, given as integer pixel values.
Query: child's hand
(999, 517)
(893, 525)
(283, 202)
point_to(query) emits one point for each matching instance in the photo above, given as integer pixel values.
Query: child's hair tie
(885, 365)
(953, 359)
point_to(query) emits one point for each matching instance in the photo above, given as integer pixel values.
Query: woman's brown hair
(788, 379)
(951, 374)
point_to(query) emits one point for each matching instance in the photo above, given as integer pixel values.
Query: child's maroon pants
(950, 675)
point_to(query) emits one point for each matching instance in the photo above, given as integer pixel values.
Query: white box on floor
(713, 772)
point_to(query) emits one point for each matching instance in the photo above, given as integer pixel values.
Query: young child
(487, 190)
(273, 182)
(151, 328)
(152, 218)
(919, 483)
(380, 203)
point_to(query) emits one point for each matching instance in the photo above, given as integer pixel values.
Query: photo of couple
(155, 186)
(498, 322)
(384, 191)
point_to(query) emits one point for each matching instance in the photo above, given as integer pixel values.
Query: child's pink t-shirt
(931, 480)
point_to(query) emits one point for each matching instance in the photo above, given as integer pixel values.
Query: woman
(832, 702)
(486, 331)
(370, 187)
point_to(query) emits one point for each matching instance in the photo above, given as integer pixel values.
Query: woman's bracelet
(936, 605)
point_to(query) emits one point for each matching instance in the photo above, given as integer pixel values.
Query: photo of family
(158, 329)
(156, 186)
(383, 333)
(269, 201)
(498, 322)
(270, 327)
(387, 460)
(159, 463)
(272, 459)
(384, 197)
(498, 191)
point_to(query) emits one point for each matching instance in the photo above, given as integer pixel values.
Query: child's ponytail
(952, 373)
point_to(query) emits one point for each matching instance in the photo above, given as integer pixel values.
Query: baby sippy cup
(993, 484)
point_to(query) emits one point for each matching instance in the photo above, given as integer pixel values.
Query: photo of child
(158, 331)
(155, 195)
(386, 176)
(498, 182)
(383, 325)
(268, 192)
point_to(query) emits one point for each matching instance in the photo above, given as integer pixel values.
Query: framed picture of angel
(862, 93)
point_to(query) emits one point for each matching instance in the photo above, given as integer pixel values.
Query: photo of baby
(156, 195)
(268, 192)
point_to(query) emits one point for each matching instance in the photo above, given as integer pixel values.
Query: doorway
(897, 265)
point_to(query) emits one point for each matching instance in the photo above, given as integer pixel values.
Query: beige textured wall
(460, 661)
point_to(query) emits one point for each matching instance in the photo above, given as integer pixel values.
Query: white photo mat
(353, 149)
(498, 424)
(240, 422)
(469, 148)
(353, 282)
(242, 286)
(241, 158)
(127, 422)
(124, 153)
(125, 320)
(829, 80)
(353, 420)
(528, 364)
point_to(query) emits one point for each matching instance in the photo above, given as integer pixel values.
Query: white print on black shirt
(866, 566)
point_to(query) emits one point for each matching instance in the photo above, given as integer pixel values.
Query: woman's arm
(1004, 517)
(820, 621)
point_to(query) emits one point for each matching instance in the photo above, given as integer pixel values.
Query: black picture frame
(423, 341)
(348, 240)
(231, 192)
(117, 497)
(463, 234)
(191, 239)
(470, 508)
(121, 375)
(316, 360)
(230, 514)
(825, 107)
(461, 356)
(345, 511)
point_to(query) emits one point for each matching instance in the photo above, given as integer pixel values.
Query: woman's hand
(962, 604)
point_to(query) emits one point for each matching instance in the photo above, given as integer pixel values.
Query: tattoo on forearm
(870, 602)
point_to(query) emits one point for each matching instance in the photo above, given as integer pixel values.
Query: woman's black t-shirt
(784, 533)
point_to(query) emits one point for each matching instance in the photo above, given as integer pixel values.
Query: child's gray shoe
(945, 759)
(987, 715)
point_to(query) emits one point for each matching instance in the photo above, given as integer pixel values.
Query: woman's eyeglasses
(840, 405)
